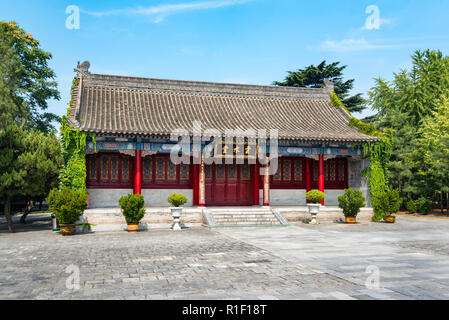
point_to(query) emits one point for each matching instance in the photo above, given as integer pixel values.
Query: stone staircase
(243, 217)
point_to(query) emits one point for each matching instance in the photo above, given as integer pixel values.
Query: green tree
(434, 142)
(29, 165)
(11, 107)
(43, 161)
(313, 77)
(26, 82)
(416, 92)
(12, 176)
(30, 154)
(402, 105)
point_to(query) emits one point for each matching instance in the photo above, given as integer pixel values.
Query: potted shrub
(315, 197)
(133, 209)
(176, 200)
(390, 203)
(351, 202)
(68, 205)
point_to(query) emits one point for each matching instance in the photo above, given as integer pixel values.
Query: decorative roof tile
(118, 105)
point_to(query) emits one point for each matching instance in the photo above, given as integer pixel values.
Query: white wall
(296, 197)
(158, 197)
(108, 198)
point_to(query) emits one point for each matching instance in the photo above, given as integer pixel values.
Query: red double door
(229, 185)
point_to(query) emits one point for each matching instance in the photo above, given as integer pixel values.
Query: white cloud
(351, 45)
(162, 11)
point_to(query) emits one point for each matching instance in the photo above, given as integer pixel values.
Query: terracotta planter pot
(68, 229)
(133, 227)
(390, 219)
(351, 220)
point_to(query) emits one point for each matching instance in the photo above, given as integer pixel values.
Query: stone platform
(111, 219)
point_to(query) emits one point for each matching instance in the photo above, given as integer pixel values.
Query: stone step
(252, 216)
(245, 219)
(240, 210)
(243, 216)
(245, 223)
(248, 217)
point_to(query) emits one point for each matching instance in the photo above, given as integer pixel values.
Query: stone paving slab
(412, 256)
(157, 264)
(323, 262)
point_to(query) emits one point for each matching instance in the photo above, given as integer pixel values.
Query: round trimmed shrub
(177, 200)
(424, 205)
(351, 202)
(133, 207)
(67, 204)
(390, 201)
(411, 206)
(315, 196)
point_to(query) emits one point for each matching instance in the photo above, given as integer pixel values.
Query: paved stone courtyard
(298, 262)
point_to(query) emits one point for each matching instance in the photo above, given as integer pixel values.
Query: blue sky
(241, 41)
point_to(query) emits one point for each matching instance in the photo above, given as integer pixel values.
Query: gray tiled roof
(117, 105)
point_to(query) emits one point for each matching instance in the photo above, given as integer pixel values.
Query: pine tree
(313, 77)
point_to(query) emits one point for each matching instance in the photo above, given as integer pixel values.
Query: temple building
(132, 120)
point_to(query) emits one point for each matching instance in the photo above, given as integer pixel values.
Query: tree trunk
(441, 200)
(447, 202)
(7, 212)
(40, 205)
(28, 208)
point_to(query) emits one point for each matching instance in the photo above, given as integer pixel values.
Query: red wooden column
(202, 185)
(321, 174)
(256, 184)
(308, 175)
(196, 184)
(138, 172)
(266, 187)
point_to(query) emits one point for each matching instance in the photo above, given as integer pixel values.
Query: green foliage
(415, 107)
(29, 163)
(67, 204)
(133, 207)
(177, 200)
(313, 77)
(335, 101)
(390, 201)
(351, 202)
(26, 82)
(74, 147)
(378, 186)
(423, 205)
(416, 92)
(368, 129)
(376, 173)
(411, 206)
(315, 196)
(73, 176)
(43, 162)
(432, 152)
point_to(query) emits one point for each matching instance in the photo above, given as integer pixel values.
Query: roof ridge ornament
(329, 85)
(83, 68)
